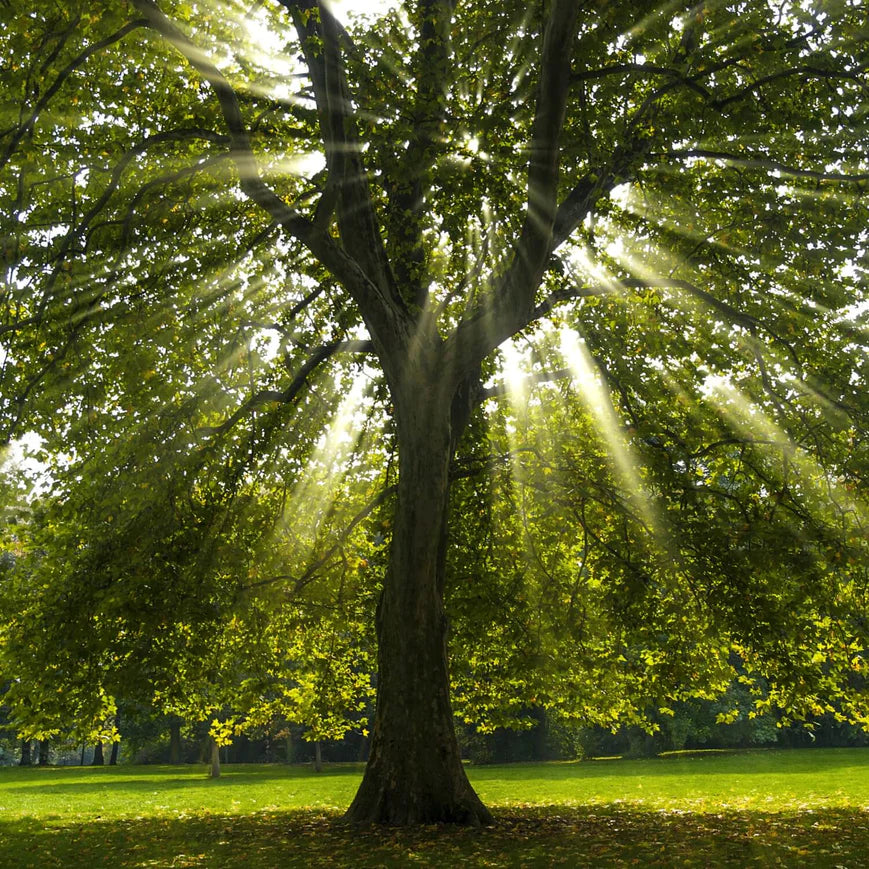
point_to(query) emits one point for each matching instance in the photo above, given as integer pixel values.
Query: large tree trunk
(44, 747)
(98, 755)
(26, 759)
(414, 773)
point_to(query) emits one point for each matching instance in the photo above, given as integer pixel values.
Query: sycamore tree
(245, 244)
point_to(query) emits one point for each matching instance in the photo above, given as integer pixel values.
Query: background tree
(666, 203)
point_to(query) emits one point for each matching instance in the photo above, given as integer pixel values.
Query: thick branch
(381, 318)
(346, 191)
(410, 182)
(579, 202)
(511, 304)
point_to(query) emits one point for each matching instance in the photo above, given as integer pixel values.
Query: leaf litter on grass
(528, 837)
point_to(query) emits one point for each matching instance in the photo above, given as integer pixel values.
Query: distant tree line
(150, 737)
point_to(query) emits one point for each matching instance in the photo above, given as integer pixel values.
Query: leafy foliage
(259, 268)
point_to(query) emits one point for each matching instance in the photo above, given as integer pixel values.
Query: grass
(765, 808)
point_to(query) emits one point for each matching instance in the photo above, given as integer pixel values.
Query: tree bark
(174, 740)
(26, 758)
(318, 756)
(215, 759)
(44, 745)
(290, 747)
(116, 745)
(414, 773)
(98, 755)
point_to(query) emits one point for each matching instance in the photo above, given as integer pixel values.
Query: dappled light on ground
(553, 836)
(754, 808)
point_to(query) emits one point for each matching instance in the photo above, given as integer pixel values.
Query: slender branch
(311, 572)
(727, 311)
(62, 76)
(287, 395)
(815, 72)
(757, 161)
(500, 389)
(557, 297)
(366, 511)
(618, 68)
(177, 135)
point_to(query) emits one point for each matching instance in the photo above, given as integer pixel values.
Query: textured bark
(414, 773)
(215, 759)
(174, 740)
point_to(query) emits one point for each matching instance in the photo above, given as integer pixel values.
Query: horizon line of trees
(146, 736)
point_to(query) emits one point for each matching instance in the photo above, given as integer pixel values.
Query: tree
(677, 194)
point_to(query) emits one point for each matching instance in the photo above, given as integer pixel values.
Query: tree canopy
(527, 336)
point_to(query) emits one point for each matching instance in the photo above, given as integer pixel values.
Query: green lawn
(767, 808)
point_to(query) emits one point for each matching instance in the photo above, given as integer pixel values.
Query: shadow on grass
(599, 836)
(50, 780)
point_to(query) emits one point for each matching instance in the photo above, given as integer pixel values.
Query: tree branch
(757, 161)
(311, 572)
(25, 127)
(565, 295)
(617, 68)
(409, 184)
(346, 191)
(501, 389)
(509, 307)
(287, 396)
(813, 71)
(381, 317)
(727, 311)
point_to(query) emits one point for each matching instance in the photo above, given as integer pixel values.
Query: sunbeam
(595, 396)
(797, 470)
(314, 493)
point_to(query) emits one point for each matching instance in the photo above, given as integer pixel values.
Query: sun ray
(746, 418)
(313, 495)
(591, 389)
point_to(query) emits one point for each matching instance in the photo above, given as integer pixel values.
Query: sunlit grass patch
(763, 808)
